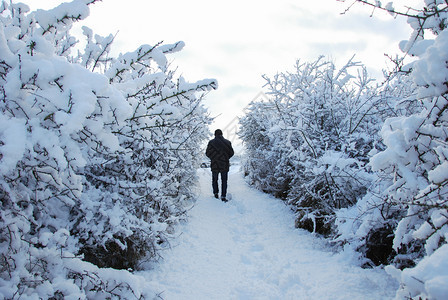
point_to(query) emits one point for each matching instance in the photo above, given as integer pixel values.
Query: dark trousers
(224, 176)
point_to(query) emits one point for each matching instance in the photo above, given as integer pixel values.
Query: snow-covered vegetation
(98, 158)
(309, 143)
(98, 155)
(361, 162)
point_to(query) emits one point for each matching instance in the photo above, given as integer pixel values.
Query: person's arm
(208, 152)
(231, 152)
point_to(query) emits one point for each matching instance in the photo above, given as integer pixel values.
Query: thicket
(309, 144)
(97, 156)
(362, 162)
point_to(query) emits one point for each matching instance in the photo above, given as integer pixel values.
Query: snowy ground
(248, 248)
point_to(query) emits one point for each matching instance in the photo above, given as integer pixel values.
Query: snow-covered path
(248, 248)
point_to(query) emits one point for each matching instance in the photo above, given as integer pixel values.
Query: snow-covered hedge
(415, 160)
(97, 156)
(309, 142)
(385, 183)
(412, 193)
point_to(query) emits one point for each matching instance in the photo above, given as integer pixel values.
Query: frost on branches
(97, 156)
(413, 165)
(309, 142)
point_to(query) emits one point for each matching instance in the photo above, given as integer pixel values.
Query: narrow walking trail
(248, 248)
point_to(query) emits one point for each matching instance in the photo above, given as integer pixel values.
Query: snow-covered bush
(413, 168)
(262, 157)
(312, 138)
(368, 226)
(97, 156)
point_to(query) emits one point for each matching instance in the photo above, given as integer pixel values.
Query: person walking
(219, 150)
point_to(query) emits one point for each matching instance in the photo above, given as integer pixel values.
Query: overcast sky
(237, 41)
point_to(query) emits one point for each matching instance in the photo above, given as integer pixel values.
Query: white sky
(237, 41)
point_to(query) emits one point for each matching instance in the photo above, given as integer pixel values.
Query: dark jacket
(219, 150)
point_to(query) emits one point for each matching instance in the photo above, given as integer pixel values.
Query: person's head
(218, 132)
